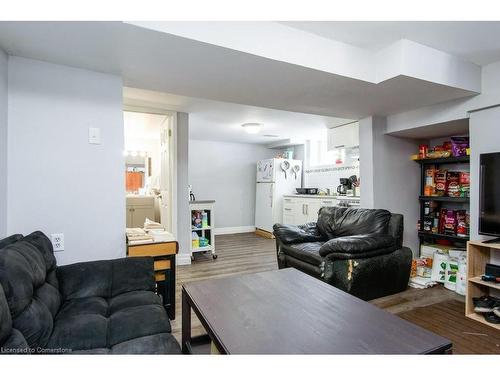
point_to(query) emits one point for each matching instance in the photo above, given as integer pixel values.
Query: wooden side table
(164, 265)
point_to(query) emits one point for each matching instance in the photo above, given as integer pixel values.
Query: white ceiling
(477, 42)
(164, 62)
(221, 121)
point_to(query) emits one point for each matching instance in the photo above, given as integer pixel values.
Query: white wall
(3, 142)
(225, 172)
(57, 181)
(451, 110)
(183, 213)
(483, 127)
(389, 179)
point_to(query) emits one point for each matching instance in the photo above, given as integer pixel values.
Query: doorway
(150, 167)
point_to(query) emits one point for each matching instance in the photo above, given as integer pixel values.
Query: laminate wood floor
(247, 253)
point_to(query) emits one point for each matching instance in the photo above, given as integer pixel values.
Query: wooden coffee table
(289, 312)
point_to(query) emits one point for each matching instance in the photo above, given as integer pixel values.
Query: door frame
(152, 109)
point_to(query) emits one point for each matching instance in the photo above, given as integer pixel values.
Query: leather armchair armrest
(289, 234)
(358, 244)
(106, 278)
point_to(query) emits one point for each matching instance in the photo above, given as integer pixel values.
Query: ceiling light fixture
(252, 127)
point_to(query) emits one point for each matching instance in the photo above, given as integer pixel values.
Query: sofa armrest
(358, 244)
(289, 234)
(106, 278)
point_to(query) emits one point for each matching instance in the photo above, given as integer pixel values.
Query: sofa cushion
(289, 234)
(95, 324)
(5, 318)
(75, 281)
(307, 251)
(341, 221)
(132, 299)
(44, 246)
(11, 239)
(358, 246)
(79, 332)
(138, 321)
(81, 306)
(33, 302)
(161, 343)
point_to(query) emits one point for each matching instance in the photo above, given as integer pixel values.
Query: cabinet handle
(288, 209)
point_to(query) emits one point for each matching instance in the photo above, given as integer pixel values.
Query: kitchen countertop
(310, 196)
(201, 201)
(319, 196)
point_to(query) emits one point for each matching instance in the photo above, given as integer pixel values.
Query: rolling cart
(202, 227)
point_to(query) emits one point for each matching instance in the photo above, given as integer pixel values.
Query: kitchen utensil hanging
(285, 166)
(296, 169)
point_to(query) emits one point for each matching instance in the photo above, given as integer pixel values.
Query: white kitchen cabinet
(300, 209)
(345, 136)
(138, 209)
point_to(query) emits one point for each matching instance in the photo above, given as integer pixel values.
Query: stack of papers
(150, 224)
(136, 236)
(421, 282)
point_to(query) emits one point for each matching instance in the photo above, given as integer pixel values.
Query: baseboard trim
(183, 259)
(234, 230)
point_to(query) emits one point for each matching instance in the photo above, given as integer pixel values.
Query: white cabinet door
(290, 208)
(297, 211)
(312, 208)
(344, 136)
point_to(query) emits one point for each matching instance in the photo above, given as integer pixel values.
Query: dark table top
(289, 312)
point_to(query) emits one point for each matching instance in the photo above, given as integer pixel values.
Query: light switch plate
(57, 240)
(95, 136)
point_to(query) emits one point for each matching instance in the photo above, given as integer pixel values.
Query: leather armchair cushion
(358, 245)
(289, 234)
(308, 251)
(341, 221)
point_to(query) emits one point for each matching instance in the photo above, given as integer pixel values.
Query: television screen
(489, 196)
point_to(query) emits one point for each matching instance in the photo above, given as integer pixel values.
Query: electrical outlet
(57, 240)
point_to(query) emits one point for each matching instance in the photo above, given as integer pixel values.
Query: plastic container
(439, 264)
(195, 239)
(461, 275)
(451, 274)
(204, 219)
(203, 242)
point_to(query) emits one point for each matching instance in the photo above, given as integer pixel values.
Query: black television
(489, 194)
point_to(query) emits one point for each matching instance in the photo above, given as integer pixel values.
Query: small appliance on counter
(345, 185)
(307, 191)
(349, 186)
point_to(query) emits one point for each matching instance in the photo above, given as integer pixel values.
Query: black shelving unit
(444, 199)
(450, 160)
(438, 236)
(426, 236)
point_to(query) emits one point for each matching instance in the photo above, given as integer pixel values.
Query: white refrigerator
(275, 178)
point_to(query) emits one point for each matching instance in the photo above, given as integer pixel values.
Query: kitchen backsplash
(328, 177)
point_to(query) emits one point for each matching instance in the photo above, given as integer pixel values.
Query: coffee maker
(345, 184)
